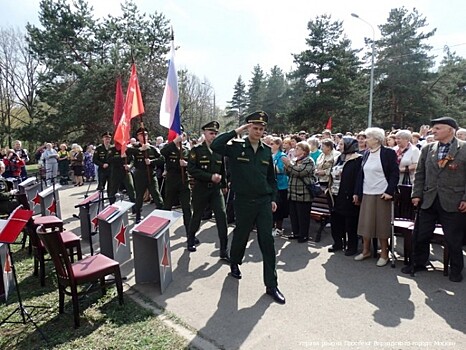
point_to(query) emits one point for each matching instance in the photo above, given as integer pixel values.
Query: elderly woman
(77, 164)
(282, 185)
(345, 213)
(301, 172)
(375, 187)
(50, 160)
(325, 162)
(314, 147)
(407, 156)
(63, 163)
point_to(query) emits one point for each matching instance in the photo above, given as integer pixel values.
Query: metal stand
(25, 315)
(87, 205)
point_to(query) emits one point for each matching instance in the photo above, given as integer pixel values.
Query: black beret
(213, 126)
(259, 117)
(107, 134)
(445, 120)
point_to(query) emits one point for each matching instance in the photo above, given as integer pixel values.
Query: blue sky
(221, 40)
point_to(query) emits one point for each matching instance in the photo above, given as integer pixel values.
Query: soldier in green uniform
(7, 201)
(176, 178)
(100, 159)
(145, 157)
(253, 181)
(119, 175)
(208, 172)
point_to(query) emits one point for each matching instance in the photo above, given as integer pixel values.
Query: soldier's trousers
(143, 182)
(114, 183)
(201, 197)
(176, 190)
(256, 211)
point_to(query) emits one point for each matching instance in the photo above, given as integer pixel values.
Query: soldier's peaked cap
(259, 117)
(212, 126)
(107, 134)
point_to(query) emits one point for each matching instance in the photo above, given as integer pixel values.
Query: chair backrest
(404, 208)
(53, 242)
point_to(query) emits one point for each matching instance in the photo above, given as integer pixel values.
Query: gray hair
(404, 134)
(376, 133)
(313, 141)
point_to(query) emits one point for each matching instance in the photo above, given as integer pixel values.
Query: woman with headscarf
(375, 187)
(345, 213)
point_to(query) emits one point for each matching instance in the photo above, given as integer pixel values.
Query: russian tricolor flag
(170, 106)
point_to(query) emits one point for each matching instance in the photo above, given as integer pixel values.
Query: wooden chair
(71, 241)
(71, 275)
(405, 214)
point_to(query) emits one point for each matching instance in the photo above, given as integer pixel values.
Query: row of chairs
(49, 239)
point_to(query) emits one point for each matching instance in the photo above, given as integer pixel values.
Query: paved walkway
(333, 302)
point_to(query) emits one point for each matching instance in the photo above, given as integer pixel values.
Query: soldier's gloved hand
(13, 192)
(177, 139)
(126, 167)
(123, 155)
(147, 161)
(216, 178)
(144, 147)
(183, 162)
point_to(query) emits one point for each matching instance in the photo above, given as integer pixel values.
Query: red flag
(329, 124)
(119, 103)
(133, 107)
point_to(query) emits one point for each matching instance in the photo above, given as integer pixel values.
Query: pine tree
(238, 103)
(322, 84)
(403, 95)
(256, 90)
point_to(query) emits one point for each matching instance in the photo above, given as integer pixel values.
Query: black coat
(343, 202)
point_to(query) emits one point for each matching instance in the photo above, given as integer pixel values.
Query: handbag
(406, 178)
(314, 189)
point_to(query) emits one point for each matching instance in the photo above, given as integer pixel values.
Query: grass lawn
(104, 323)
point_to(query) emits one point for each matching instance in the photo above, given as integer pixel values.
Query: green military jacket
(116, 161)
(136, 157)
(4, 190)
(101, 156)
(203, 162)
(252, 173)
(171, 153)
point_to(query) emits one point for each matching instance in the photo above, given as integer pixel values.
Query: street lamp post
(371, 88)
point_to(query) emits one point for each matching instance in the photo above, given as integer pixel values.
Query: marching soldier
(145, 158)
(253, 181)
(208, 173)
(119, 175)
(176, 179)
(100, 159)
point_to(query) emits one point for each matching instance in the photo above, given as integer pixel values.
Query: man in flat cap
(440, 191)
(145, 158)
(207, 170)
(253, 181)
(100, 158)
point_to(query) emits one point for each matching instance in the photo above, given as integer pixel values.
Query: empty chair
(71, 275)
(71, 241)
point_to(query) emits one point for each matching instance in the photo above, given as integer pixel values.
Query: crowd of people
(270, 176)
